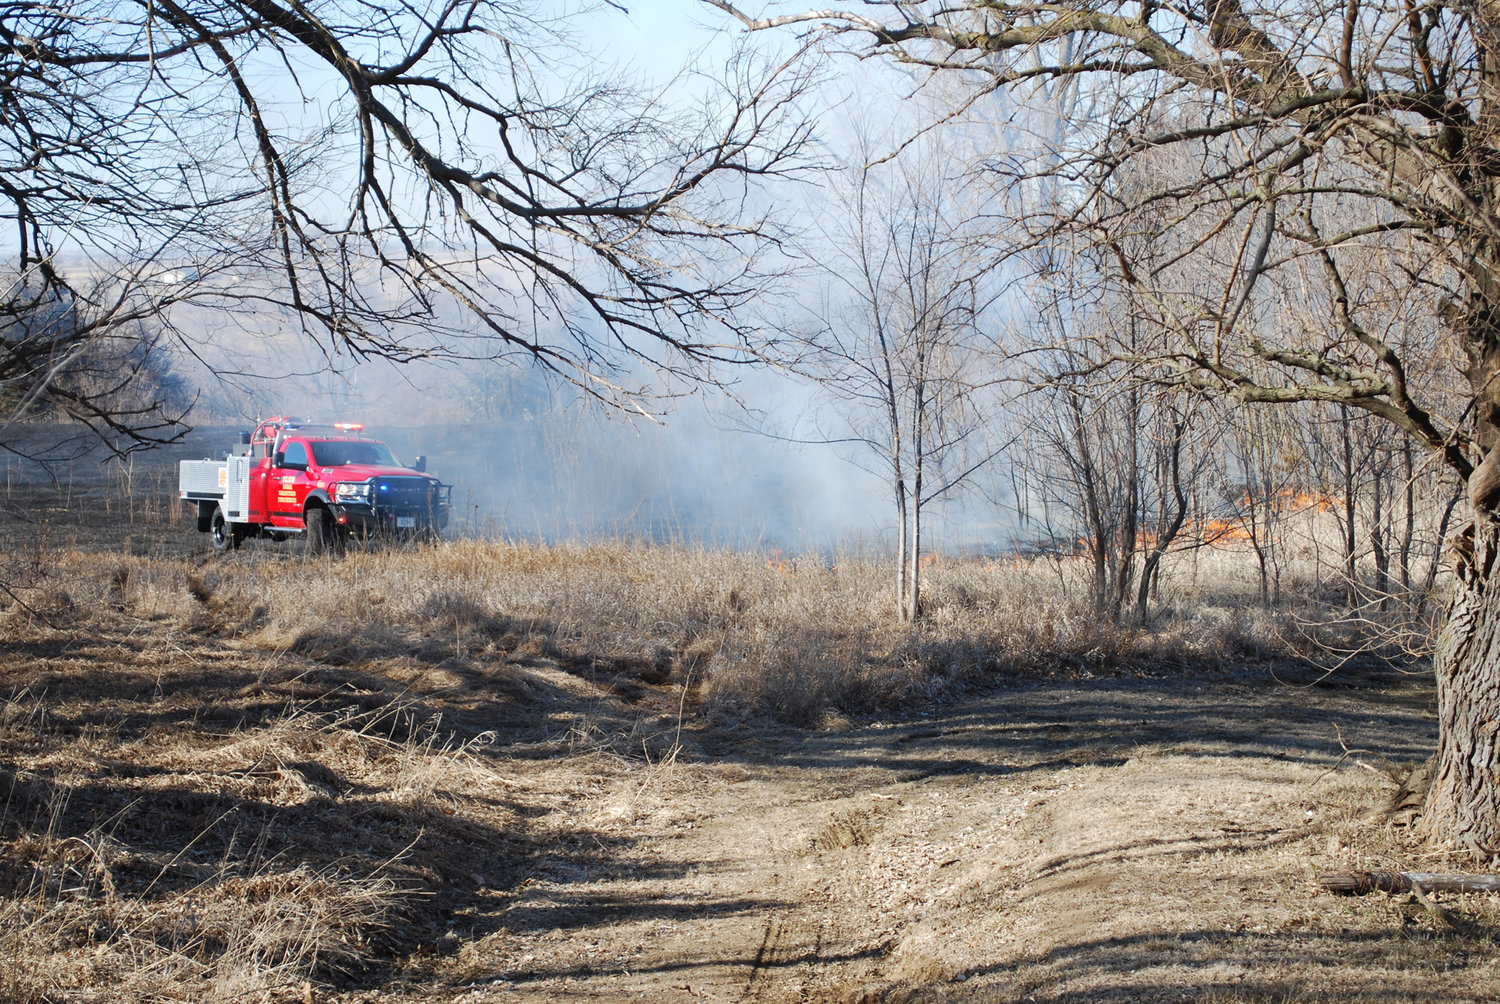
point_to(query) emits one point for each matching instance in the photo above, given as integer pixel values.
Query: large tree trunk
(1463, 804)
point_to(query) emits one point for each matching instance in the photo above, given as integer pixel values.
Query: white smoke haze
(529, 459)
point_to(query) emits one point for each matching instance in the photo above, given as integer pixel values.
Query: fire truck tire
(321, 532)
(224, 536)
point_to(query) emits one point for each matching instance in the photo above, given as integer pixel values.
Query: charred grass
(260, 777)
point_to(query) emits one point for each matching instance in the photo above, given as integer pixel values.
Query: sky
(658, 37)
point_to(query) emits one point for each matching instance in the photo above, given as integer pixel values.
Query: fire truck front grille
(404, 495)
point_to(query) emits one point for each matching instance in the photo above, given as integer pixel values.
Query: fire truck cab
(325, 483)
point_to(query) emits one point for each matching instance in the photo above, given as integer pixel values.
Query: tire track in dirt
(1111, 841)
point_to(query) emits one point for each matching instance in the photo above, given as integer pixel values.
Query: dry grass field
(493, 771)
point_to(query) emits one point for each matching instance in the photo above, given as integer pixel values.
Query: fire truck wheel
(321, 532)
(221, 533)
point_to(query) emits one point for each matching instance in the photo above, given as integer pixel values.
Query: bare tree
(1111, 449)
(1323, 133)
(1122, 460)
(451, 178)
(86, 353)
(903, 355)
(1269, 472)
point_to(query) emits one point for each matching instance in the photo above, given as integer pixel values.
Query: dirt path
(1130, 840)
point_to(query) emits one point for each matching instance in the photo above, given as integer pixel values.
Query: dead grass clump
(792, 637)
(28, 573)
(347, 645)
(459, 614)
(67, 931)
(49, 607)
(88, 917)
(187, 864)
(73, 590)
(795, 676)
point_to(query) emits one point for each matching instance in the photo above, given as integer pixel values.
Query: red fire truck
(324, 483)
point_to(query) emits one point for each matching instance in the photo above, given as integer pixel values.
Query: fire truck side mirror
(277, 458)
(420, 464)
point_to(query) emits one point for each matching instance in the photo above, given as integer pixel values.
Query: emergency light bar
(303, 424)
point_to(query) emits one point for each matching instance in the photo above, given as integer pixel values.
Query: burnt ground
(80, 496)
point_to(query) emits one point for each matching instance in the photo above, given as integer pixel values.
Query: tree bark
(1409, 526)
(901, 571)
(1167, 528)
(1359, 883)
(1463, 804)
(1130, 516)
(914, 583)
(914, 555)
(1351, 543)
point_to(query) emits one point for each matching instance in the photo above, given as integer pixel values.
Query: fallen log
(1359, 883)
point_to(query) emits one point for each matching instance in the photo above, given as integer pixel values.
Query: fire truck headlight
(348, 491)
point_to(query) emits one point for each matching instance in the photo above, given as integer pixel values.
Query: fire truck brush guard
(324, 483)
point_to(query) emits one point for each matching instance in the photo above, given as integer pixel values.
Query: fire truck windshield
(340, 453)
